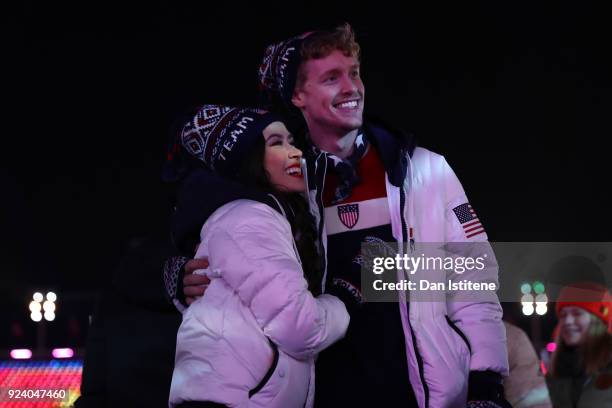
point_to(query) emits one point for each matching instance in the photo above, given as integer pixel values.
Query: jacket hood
(200, 194)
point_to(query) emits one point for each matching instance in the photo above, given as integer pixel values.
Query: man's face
(332, 95)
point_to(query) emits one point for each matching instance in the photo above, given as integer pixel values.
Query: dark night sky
(515, 95)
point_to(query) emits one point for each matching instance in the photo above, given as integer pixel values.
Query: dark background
(516, 95)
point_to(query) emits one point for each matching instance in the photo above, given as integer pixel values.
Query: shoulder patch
(469, 221)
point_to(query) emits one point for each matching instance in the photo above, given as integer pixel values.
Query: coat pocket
(273, 391)
(459, 332)
(269, 373)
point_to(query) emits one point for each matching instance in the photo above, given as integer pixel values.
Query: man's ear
(298, 98)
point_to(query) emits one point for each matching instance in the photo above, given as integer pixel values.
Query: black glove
(485, 390)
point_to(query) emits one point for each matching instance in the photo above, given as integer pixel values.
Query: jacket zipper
(319, 202)
(414, 343)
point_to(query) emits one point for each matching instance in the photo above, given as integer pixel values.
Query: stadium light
(49, 306)
(531, 304)
(34, 307)
(38, 304)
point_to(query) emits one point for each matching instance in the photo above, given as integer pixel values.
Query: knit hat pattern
(222, 136)
(278, 70)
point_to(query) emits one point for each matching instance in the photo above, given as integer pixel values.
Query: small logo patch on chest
(348, 214)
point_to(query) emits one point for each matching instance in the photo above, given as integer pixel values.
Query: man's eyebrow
(339, 70)
(331, 71)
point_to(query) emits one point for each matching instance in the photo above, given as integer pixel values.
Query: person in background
(580, 375)
(525, 387)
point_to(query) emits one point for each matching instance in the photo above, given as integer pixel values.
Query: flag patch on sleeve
(468, 220)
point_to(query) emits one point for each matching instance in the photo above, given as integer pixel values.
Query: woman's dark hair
(253, 174)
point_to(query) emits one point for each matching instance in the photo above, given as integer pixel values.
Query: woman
(581, 370)
(252, 340)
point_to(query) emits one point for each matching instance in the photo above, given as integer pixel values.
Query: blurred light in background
(49, 306)
(525, 288)
(541, 309)
(51, 297)
(21, 354)
(34, 307)
(539, 304)
(538, 287)
(62, 353)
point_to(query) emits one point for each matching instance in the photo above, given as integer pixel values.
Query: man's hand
(194, 285)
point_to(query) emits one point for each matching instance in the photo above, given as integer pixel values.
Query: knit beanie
(220, 137)
(589, 296)
(279, 68)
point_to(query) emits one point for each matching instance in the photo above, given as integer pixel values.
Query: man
(369, 183)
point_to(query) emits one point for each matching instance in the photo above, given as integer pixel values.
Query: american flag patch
(468, 219)
(348, 214)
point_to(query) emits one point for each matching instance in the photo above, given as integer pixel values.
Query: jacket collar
(392, 145)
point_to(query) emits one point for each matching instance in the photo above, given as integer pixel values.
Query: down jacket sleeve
(526, 385)
(252, 250)
(479, 316)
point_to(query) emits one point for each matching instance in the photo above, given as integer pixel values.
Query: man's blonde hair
(321, 44)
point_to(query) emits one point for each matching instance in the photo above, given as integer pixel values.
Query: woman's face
(282, 159)
(574, 325)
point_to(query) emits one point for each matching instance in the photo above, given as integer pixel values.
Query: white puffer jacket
(454, 333)
(258, 299)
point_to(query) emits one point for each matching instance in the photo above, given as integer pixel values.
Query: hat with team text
(221, 137)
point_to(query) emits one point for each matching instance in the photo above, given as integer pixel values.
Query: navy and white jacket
(445, 340)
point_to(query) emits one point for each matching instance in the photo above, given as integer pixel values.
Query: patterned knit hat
(592, 297)
(278, 70)
(220, 137)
